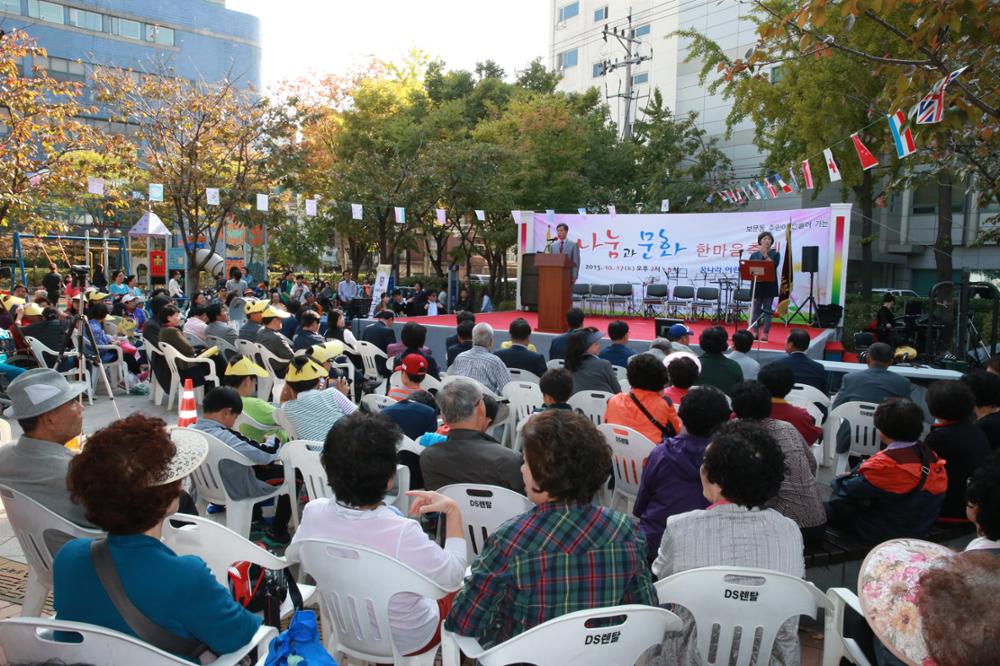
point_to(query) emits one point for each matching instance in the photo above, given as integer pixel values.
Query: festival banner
(382, 274)
(695, 249)
(176, 259)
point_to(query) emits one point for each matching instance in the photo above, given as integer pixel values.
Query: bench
(838, 547)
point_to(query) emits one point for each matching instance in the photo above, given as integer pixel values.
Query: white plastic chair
(451, 379)
(32, 640)
(304, 455)
(836, 645)
(556, 364)
(245, 419)
(722, 599)
(224, 345)
(591, 404)
(484, 509)
(39, 351)
(269, 388)
(812, 394)
(865, 441)
(369, 354)
(428, 383)
(375, 403)
(523, 397)
(629, 451)
(220, 548)
(247, 348)
(156, 393)
(171, 355)
(620, 373)
(569, 640)
(208, 481)
(519, 375)
(115, 368)
(355, 587)
(6, 434)
(36, 527)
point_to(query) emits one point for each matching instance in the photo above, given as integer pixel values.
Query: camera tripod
(81, 325)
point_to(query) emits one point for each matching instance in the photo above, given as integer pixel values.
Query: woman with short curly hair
(564, 555)
(128, 478)
(742, 470)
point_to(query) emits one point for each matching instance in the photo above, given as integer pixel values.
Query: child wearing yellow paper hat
(310, 411)
(242, 374)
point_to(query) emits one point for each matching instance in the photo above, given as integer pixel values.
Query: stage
(641, 332)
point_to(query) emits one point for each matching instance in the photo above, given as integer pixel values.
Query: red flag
(807, 174)
(771, 189)
(868, 160)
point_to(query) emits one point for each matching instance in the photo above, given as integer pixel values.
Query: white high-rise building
(580, 51)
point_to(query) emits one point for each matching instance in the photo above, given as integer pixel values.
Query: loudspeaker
(663, 325)
(828, 315)
(810, 259)
(528, 282)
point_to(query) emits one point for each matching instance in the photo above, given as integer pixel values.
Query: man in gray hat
(45, 407)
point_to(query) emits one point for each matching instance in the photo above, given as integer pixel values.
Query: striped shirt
(556, 559)
(313, 413)
(482, 365)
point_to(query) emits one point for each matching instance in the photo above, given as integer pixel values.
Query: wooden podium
(555, 287)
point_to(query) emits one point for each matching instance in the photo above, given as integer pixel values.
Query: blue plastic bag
(300, 644)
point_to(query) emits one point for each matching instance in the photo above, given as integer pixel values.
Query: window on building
(569, 11)
(125, 28)
(598, 69)
(159, 35)
(87, 20)
(777, 73)
(601, 14)
(639, 79)
(568, 59)
(10, 6)
(925, 199)
(642, 30)
(62, 68)
(47, 11)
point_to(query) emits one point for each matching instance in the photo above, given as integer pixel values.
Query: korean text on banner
(380, 286)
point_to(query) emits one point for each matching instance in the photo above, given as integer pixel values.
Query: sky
(320, 36)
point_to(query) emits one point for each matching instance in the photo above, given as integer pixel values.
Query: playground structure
(103, 243)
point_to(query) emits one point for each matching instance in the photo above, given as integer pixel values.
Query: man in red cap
(413, 369)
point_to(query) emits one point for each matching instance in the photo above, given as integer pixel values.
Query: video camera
(80, 273)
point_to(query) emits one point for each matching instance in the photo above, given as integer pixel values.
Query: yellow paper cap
(327, 351)
(310, 370)
(245, 367)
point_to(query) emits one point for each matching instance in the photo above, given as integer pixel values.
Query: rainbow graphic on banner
(837, 286)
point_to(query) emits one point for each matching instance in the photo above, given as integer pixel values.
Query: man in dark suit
(872, 385)
(460, 316)
(557, 348)
(804, 369)
(381, 334)
(308, 334)
(563, 245)
(469, 455)
(463, 340)
(518, 355)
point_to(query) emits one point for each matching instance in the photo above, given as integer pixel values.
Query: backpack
(258, 589)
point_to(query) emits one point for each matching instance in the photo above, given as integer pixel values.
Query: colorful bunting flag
(868, 160)
(480, 215)
(785, 187)
(262, 203)
(771, 189)
(212, 196)
(581, 211)
(155, 192)
(95, 186)
(831, 165)
(442, 216)
(901, 136)
(930, 109)
(665, 206)
(400, 214)
(807, 174)
(310, 207)
(754, 191)
(357, 211)
(795, 181)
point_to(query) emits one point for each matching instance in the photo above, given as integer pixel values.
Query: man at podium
(562, 245)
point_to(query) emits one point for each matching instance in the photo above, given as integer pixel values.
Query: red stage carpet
(639, 328)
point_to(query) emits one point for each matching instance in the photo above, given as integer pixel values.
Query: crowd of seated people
(731, 480)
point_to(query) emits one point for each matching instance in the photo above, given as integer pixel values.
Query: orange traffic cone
(188, 411)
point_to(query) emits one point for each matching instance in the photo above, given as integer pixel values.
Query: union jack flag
(930, 109)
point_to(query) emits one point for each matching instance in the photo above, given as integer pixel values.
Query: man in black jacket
(557, 348)
(519, 356)
(381, 334)
(463, 340)
(53, 284)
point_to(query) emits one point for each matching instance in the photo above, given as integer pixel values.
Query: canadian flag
(831, 165)
(868, 160)
(807, 174)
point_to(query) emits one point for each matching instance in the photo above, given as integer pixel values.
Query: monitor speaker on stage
(810, 259)
(828, 315)
(663, 325)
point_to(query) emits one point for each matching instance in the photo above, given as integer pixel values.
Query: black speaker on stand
(810, 264)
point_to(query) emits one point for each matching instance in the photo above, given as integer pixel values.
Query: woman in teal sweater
(178, 593)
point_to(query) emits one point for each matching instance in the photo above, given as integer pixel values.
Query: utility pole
(626, 37)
